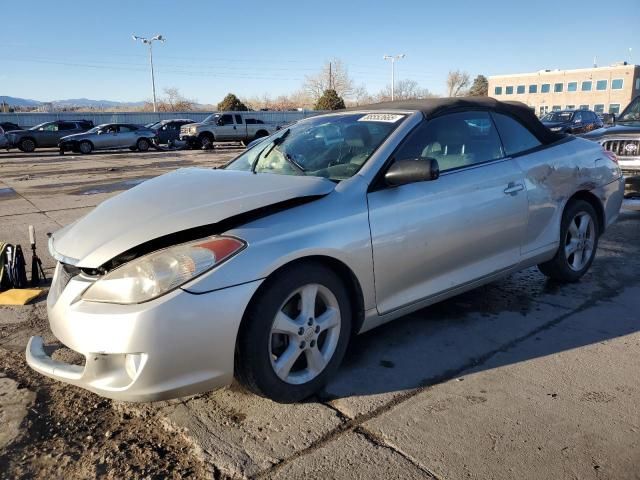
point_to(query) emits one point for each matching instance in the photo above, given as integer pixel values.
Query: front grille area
(64, 274)
(623, 148)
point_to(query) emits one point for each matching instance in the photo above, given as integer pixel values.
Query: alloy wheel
(304, 334)
(580, 240)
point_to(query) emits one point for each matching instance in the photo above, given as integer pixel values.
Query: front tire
(578, 243)
(206, 142)
(143, 145)
(85, 147)
(294, 333)
(27, 145)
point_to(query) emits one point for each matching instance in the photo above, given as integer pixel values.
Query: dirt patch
(72, 433)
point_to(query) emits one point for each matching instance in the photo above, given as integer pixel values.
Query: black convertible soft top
(433, 107)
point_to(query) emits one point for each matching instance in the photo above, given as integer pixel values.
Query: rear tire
(143, 145)
(294, 333)
(85, 147)
(27, 145)
(578, 243)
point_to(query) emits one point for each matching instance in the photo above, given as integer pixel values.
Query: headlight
(192, 129)
(160, 272)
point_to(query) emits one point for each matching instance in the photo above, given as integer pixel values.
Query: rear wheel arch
(595, 202)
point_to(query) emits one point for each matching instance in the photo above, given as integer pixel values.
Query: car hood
(177, 201)
(20, 132)
(613, 130)
(76, 136)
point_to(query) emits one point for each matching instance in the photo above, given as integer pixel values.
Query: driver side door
(226, 128)
(431, 237)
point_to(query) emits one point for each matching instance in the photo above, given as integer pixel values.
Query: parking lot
(521, 378)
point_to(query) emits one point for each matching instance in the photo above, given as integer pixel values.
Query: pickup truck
(623, 139)
(235, 127)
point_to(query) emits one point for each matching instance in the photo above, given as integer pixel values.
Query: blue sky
(70, 49)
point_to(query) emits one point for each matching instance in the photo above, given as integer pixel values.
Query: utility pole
(330, 78)
(149, 42)
(393, 59)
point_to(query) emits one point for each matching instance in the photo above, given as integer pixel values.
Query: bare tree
(334, 76)
(457, 82)
(404, 90)
(173, 101)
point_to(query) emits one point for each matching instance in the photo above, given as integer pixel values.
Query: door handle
(513, 188)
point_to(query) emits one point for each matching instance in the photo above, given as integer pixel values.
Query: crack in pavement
(380, 442)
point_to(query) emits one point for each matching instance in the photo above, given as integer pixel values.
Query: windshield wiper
(278, 141)
(290, 159)
(270, 147)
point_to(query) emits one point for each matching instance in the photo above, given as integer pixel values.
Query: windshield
(632, 112)
(40, 125)
(331, 146)
(94, 129)
(558, 117)
(211, 118)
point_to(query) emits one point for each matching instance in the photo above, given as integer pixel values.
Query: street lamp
(393, 59)
(149, 41)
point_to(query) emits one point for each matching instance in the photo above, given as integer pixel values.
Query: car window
(124, 129)
(515, 137)
(50, 127)
(239, 119)
(67, 126)
(227, 119)
(455, 140)
(577, 117)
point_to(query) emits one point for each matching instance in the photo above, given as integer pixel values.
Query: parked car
(46, 134)
(168, 131)
(9, 126)
(337, 224)
(572, 121)
(109, 136)
(235, 127)
(623, 139)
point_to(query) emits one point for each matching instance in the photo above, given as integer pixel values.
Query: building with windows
(602, 89)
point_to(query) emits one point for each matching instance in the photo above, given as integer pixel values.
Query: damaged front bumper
(176, 345)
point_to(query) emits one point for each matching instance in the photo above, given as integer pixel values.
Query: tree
(457, 81)
(480, 87)
(231, 103)
(333, 76)
(330, 100)
(404, 90)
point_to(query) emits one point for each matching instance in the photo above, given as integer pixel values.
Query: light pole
(393, 59)
(149, 41)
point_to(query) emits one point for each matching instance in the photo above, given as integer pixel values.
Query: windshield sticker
(381, 117)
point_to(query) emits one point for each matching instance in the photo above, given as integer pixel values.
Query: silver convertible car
(109, 136)
(264, 269)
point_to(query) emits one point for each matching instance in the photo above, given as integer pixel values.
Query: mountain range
(71, 102)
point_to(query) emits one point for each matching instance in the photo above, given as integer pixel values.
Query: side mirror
(99, 132)
(403, 172)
